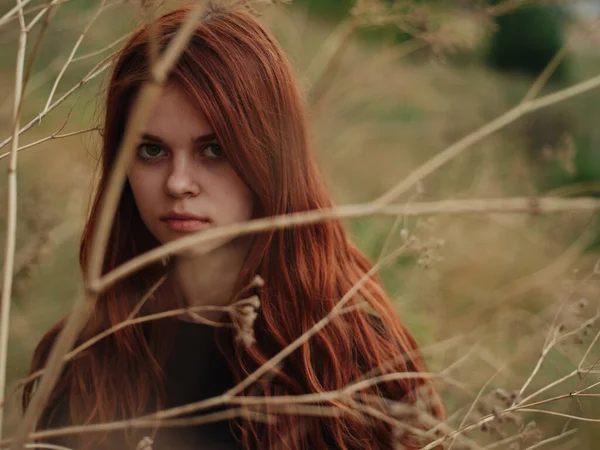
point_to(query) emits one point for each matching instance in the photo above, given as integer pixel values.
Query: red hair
(239, 77)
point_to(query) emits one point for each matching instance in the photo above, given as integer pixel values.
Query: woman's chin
(168, 236)
(201, 249)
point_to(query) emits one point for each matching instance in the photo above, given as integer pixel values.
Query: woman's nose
(181, 181)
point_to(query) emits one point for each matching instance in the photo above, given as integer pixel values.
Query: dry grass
(506, 283)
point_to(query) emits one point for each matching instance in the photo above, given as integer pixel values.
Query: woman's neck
(208, 279)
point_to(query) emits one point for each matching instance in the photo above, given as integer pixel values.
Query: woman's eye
(213, 151)
(148, 150)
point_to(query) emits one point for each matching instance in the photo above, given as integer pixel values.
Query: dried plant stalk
(521, 204)
(95, 282)
(11, 217)
(93, 73)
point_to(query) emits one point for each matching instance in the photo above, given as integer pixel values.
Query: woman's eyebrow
(205, 138)
(151, 138)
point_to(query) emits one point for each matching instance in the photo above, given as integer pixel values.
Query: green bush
(527, 39)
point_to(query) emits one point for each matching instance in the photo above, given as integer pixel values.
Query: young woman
(227, 142)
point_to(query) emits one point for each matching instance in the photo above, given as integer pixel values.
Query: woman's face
(181, 179)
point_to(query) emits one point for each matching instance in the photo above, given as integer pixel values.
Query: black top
(190, 379)
(196, 370)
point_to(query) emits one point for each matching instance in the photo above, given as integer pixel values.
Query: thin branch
(587, 388)
(361, 383)
(553, 439)
(485, 419)
(507, 294)
(93, 73)
(555, 340)
(522, 407)
(388, 239)
(486, 130)
(145, 423)
(64, 342)
(102, 50)
(10, 15)
(53, 136)
(147, 297)
(474, 403)
(566, 259)
(399, 219)
(516, 408)
(551, 67)
(550, 386)
(277, 408)
(543, 78)
(11, 215)
(121, 325)
(288, 403)
(39, 445)
(559, 414)
(324, 65)
(343, 212)
(502, 443)
(573, 394)
(131, 320)
(18, 8)
(103, 7)
(36, 48)
(43, 12)
(506, 7)
(281, 355)
(587, 352)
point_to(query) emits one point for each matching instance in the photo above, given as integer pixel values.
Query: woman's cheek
(144, 183)
(144, 193)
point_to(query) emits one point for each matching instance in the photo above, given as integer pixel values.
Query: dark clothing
(196, 370)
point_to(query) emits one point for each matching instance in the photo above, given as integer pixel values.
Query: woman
(227, 142)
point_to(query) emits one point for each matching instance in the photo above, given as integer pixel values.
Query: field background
(383, 108)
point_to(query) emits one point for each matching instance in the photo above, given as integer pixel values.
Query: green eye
(148, 150)
(214, 151)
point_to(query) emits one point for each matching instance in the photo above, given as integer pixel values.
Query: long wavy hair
(237, 75)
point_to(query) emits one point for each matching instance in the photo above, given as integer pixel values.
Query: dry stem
(348, 211)
(53, 136)
(11, 216)
(379, 206)
(93, 73)
(103, 7)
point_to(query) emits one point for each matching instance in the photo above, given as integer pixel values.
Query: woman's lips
(186, 224)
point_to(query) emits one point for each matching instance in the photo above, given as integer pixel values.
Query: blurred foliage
(334, 11)
(338, 9)
(379, 119)
(330, 9)
(527, 39)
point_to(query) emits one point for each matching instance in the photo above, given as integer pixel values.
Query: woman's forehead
(174, 117)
